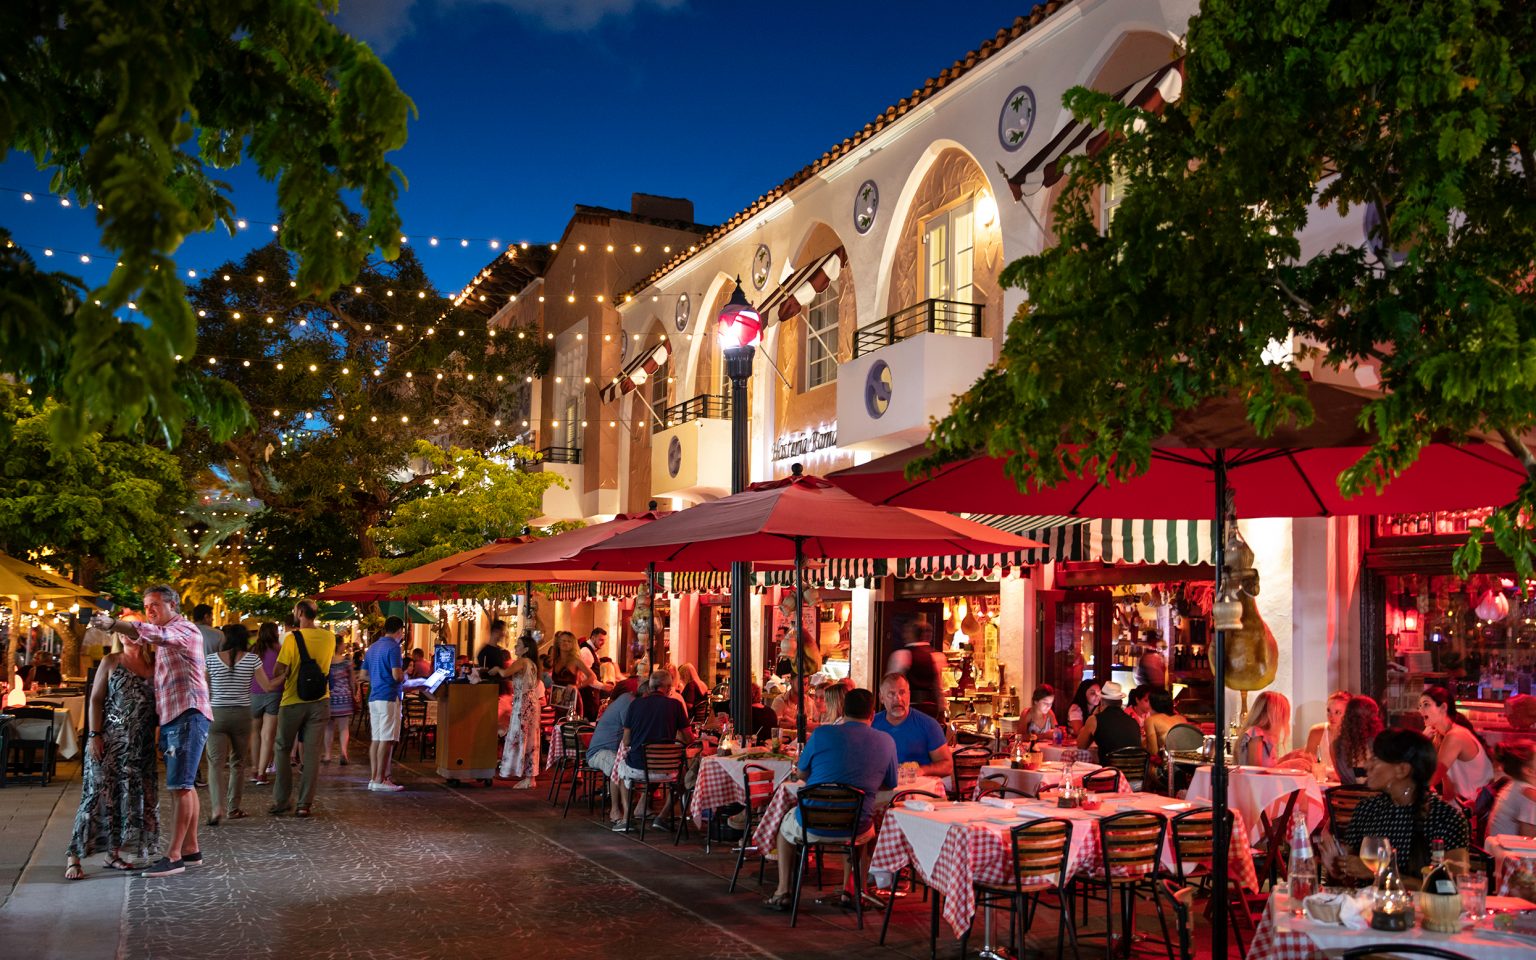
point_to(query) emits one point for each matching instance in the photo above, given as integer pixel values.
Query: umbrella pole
(800, 638)
(1222, 843)
(650, 585)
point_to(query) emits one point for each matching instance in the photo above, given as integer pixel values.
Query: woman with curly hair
(1352, 744)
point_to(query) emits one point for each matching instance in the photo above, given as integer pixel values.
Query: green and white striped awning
(595, 590)
(1065, 538)
(695, 581)
(1150, 541)
(837, 574)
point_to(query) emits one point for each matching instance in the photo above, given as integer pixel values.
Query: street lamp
(739, 328)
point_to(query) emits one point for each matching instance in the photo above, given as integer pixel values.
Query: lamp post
(739, 328)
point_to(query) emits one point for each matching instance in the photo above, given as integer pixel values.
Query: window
(570, 395)
(821, 338)
(949, 251)
(659, 385)
(1114, 192)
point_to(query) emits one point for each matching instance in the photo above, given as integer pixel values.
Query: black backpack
(312, 682)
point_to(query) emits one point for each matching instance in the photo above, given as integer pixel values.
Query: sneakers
(384, 786)
(619, 826)
(193, 859)
(165, 867)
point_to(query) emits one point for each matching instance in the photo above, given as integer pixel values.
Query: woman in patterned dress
(520, 754)
(118, 800)
(343, 702)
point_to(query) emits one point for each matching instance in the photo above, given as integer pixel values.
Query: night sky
(530, 106)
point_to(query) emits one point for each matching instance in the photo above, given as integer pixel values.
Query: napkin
(915, 804)
(1350, 911)
(1005, 802)
(1515, 842)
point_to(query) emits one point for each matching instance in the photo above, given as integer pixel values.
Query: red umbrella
(1292, 473)
(791, 519)
(367, 589)
(464, 568)
(556, 552)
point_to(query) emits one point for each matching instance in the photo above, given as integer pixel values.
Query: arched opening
(810, 346)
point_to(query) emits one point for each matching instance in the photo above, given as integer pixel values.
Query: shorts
(384, 720)
(265, 704)
(603, 760)
(629, 774)
(791, 830)
(182, 742)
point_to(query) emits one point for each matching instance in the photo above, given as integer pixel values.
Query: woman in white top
(230, 672)
(1321, 737)
(1463, 767)
(1514, 814)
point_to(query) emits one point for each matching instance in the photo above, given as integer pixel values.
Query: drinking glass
(1376, 853)
(1474, 894)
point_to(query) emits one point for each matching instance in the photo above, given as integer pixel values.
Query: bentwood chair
(1041, 851)
(1274, 858)
(996, 785)
(757, 784)
(968, 762)
(1132, 762)
(1181, 901)
(1341, 802)
(829, 814)
(1130, 846)
(663, 771)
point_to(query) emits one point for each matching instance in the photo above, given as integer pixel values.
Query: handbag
(311, 683)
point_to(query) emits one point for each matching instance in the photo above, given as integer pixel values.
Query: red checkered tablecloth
(719, 782)
(557, 743)
(978, 852)
(1271, 944)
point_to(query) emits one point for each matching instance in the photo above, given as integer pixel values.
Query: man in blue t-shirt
(851, 753)
(919, 738)
(603, 750)
(386, 674)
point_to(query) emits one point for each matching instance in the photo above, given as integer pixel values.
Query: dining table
(1252, 791)
(1051, 773)
(720, 780)
(1070, 752)
(956, 845)
(1511, 855)
(1281, 935)
(66, 735)
(765, 834)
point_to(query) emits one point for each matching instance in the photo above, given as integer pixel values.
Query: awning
(1064, 538)
(800, 288)
(832, 574)
(1152, 93)
(595, 590)
(408, 612)
(1150, 541)
(637, 372)
(696, 581)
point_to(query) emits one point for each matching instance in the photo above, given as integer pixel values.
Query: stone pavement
(463, 873)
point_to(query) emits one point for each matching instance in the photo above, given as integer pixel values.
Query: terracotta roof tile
(933, 85)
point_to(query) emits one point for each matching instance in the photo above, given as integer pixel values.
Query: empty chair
(1040, 851)
(1130, 761)
(968, 763)
(30, 738)
(1130, 846)
(757, 782)
(1103, 780)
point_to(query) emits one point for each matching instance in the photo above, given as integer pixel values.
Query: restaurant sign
(804, 442)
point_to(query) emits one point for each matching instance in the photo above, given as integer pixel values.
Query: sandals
(301, 811)
(121, 865)
(74, 871)
(237, 814)
(778, 903)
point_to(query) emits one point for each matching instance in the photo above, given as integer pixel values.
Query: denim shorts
(182, 742)
(265, 703)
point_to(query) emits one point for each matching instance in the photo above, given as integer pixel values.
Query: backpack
(312, 683)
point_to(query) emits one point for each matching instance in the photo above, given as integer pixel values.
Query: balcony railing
(930, 316)
(560, 455)
(705, 406)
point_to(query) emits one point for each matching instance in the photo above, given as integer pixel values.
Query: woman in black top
(1357, 731)
(1405, 811)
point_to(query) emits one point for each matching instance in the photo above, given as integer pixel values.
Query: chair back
(44, 715)
(1342, 802)
(663, 758)
(830, 811)
(1397, 948)
(575, 746)
(1103, 780)
(1132, 843)
(1041, 850)
(1131, 761)
(968, 762)
(1194, 840)
(414, 710)
(757, 782)
(1183, 738)
(995, 785)
(912, 793)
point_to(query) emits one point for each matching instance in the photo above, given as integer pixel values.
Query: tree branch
(1520, 451)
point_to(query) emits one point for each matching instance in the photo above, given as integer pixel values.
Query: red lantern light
(1410, 620)
(739, 325)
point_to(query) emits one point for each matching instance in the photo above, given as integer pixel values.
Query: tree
(470, 501)
(1422, 117)
(343, 386)
(134, 106)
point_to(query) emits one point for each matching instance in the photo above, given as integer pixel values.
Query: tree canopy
(1418, 118)
(133, 107)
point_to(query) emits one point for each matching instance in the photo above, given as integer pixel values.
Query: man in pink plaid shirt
(181, 699)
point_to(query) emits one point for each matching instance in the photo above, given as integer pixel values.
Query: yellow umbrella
(26, 582)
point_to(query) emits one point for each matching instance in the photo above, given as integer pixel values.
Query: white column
(862, 648)
(1016, 641)
(1271, 541)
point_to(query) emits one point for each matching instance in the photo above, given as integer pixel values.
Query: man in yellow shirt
(296, 714)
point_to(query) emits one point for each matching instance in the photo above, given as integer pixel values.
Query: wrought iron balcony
(930, 316)
(705, 406)
(560, 455)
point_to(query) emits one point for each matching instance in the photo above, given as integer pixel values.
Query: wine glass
(1376, 854)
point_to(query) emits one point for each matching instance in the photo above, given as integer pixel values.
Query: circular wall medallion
(762, 260)
(623, 348)
(682, 312)
(674, 456)
(877, 389)
(866, 206)
(1016, 118)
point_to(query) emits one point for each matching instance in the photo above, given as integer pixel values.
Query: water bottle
(1303, 866)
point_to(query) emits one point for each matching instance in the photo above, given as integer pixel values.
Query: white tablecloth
(1255, 790)
(1050, 774)
(1284, 937)
(64, 733)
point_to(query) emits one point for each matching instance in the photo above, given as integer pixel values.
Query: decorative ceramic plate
(762, 260)
(1016, 119)
(866, 206)
(683, 307)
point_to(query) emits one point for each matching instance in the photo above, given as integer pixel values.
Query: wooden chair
(1131, 844)
(663, 770)
(968, 762)
(1103, 780)
(1040, 852)
(829, 814)
(1193, 834)
(1132, 762)
(31, 750)
(1275, 859)
(1341, 803)
(414, 726)
(693, 753)
(757, 784)
(996, 785)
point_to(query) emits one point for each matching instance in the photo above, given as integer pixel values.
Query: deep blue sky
(530, 106)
